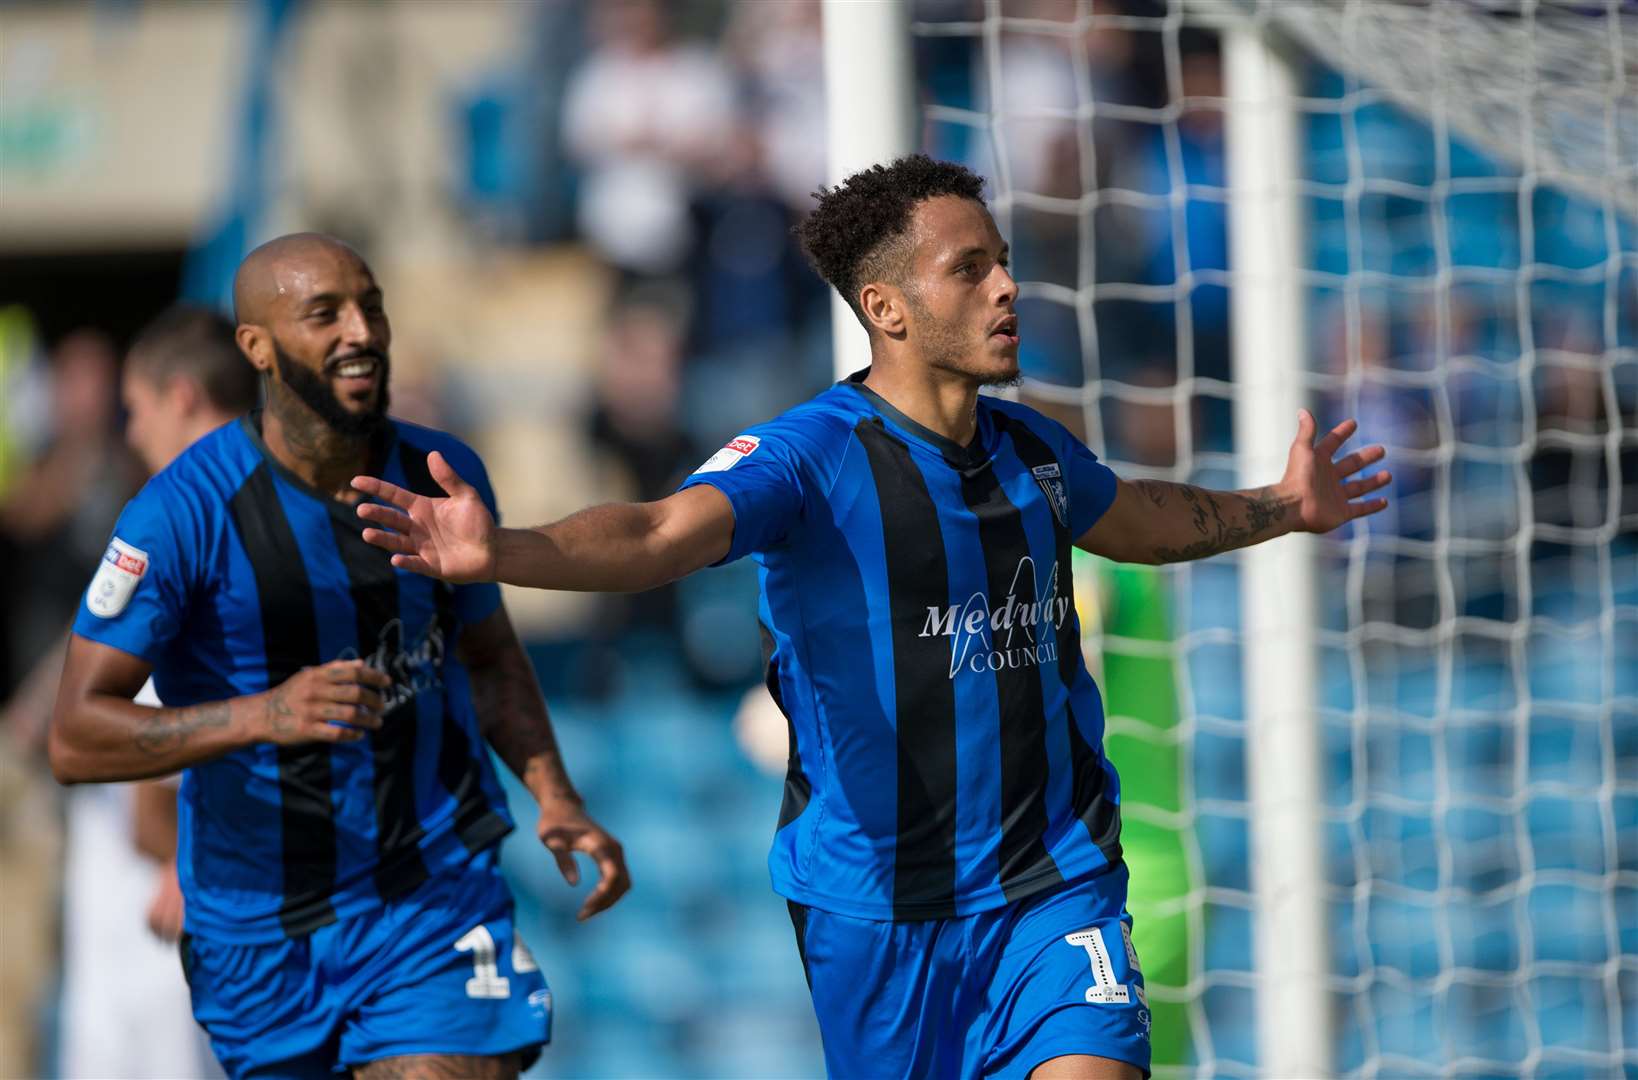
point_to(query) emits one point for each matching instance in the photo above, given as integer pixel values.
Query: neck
(197, 425)
(941, 401)
(302, 442)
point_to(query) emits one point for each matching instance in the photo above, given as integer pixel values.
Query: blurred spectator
(777, 51)
(634, 417)
(635, 426)
(1197, 161)
(56, 516)
(126, 1009)
(645, 115)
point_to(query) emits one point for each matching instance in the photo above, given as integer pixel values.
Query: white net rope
(1469, 183)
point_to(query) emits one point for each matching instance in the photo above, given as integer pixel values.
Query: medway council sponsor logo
(1018, 633)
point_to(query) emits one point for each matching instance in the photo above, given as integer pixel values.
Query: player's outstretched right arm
(99, 734)
(620, 547)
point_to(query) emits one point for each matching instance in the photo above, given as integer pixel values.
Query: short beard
(944, 347)
(316, 394)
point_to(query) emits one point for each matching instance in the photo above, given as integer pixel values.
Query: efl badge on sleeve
(122, 569)
(1051, 479)
(736, 451)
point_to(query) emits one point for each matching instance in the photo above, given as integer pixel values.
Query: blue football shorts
(440, 970)
(987, 995)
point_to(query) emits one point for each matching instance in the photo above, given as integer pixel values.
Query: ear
(884, 307)
(257, 345)
(188, 394)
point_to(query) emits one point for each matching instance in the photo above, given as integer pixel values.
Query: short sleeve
(138, 594)
(760, 473)
(1091, 486)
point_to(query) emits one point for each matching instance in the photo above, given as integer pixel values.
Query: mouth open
(357, 375)
(1005, 331)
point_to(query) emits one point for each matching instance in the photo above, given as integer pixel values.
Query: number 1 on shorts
(1105, 990)
(486, 980)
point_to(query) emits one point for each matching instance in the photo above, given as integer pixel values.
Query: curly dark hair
(856, 232)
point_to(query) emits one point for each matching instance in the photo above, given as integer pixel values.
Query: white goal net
(1467, 178)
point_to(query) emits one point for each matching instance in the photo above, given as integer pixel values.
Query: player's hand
(451, 538)
(336, 702)
(165, 909)
(566, 828)
(1324, 494)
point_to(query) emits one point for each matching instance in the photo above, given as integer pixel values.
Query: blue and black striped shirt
(924, 646)
(229, 574)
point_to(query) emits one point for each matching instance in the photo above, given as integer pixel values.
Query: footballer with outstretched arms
(339, 817)
(950, 836)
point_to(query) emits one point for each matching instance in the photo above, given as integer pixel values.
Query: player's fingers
(1353, 489)
(362, 698)
(414, 563)
(343, 671)
(1366, 508)
(613, 881)
(562, 850)
(339, 712)
(1357, 460)
(388, 517)
(1336, 437)
(336, 731)
(1305, 427)
(397, 543)
(445, 474)
(354, 672)
(381, 489)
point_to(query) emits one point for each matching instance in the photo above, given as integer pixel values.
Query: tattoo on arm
(1154, 490)
(280, 717)
(1251, 516)
(164, 730)
(511, 712)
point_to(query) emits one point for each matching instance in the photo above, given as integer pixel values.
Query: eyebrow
(969, 252)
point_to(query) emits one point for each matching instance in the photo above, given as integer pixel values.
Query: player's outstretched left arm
(512, 715)
(1155, 521)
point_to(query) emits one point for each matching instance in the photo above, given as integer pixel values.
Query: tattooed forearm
(512, 716)
(1264, 510)
(164, 730)
(1220, 520)
(276, 711)
(1153, 490)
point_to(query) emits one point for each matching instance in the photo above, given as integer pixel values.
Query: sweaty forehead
(947, 225)
(318, 270)
(281, 275)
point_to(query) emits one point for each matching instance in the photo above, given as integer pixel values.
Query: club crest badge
(1051, 480)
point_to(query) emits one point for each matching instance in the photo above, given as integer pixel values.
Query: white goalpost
(1398, 799)
(870, 117)
(1277, 600)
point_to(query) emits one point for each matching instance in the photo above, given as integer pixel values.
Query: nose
(1006, 288)
(355, 326)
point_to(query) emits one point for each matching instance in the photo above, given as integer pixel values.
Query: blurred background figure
(59, 509)
(125, 1007)
(646, 118)
(184, 377)
(55, 516)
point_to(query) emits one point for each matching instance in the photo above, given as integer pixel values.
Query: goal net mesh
(1468, 176)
